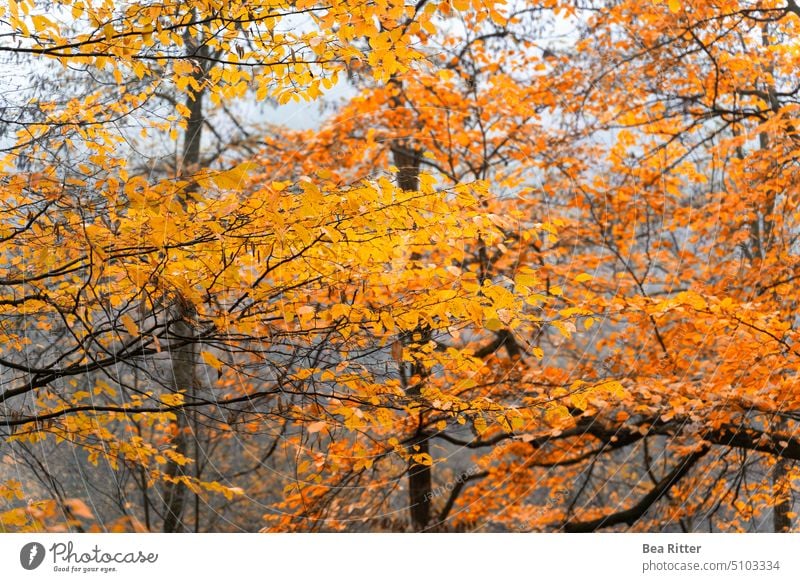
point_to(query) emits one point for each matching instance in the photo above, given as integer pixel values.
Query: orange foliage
(536, 274)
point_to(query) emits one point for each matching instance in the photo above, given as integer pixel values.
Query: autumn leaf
(211, 360)
(317, 426)
(78, 508)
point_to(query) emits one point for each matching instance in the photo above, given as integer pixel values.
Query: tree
(522, 280)
(674, 169)
(124, 281)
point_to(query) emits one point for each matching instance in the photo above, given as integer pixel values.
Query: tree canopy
(535, 271)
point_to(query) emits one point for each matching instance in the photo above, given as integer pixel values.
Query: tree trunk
(183, 356)
(763, 240)
(782, 497)
(407, 161)
(194, 128)
(182, 362)
(419, 484)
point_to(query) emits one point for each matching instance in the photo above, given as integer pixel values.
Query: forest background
(532, 269)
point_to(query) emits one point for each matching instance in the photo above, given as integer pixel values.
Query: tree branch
(632, 514)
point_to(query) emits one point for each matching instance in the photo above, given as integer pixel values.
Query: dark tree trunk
(419, 484)
(407, 161)
(782, 496)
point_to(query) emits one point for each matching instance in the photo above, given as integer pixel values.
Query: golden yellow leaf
(233, 179)
(129, 324)
(211, 360)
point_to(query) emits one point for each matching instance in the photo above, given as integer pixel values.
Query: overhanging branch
(631, 515)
